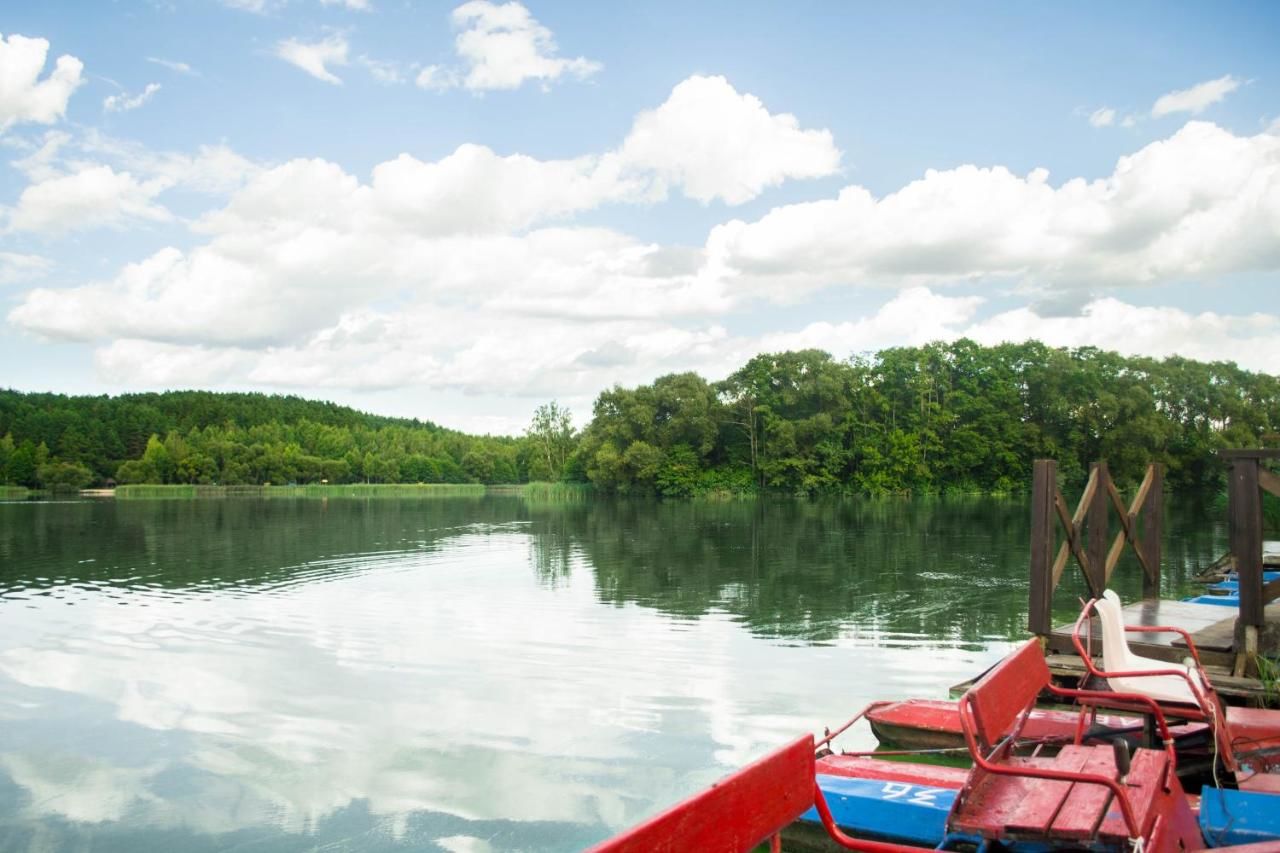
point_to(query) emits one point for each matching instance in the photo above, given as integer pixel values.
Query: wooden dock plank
(1182, 614)
(1070, 668)
(1211, 626)
(1220, 636)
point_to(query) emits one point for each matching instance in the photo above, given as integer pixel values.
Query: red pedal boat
(1071, 795)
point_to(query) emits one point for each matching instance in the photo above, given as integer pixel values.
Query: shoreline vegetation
(538, 491)
(939, 419)
(310, 490)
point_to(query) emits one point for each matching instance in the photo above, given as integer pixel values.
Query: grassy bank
(13, 493)
(315, 490)
(556, 492)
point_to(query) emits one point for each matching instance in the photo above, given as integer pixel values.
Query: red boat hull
(911, 773)
(935, 724)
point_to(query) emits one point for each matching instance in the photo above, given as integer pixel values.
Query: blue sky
(459, 211)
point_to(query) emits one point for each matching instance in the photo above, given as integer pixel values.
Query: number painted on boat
(916, 794)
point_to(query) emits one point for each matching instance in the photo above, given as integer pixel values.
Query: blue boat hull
(897, 811)
(1238, 817)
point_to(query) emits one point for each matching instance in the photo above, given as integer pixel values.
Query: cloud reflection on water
(444, 696)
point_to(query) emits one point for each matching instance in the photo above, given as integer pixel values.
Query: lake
(469, 674)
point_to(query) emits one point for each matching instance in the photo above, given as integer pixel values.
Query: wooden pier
(1229, 639)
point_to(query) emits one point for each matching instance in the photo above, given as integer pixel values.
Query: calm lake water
(468, 674)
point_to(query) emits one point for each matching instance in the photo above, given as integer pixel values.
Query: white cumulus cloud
(1250, 340)
(173, 65)
(15, 266)
(1200, 203)
(500, 47)
(258, 7)
(715, 142)
(384, 71)
(300, 244)
(130, 361)
(470, 272)
(24, 97)
(124, 102)
(316, 57)
(1196, 99)
(919, 315)
(1102, 117)
(915, 316)
(211, 169)
(94, 196)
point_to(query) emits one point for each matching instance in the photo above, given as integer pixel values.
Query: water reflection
(454, 674)
(925, 572)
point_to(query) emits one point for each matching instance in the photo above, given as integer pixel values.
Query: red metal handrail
(980, 760)
(828, 736)
(1098, 697)
(1210, 710)
(1183, 672)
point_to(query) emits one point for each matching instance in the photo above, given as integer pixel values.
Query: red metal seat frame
(993, 712)
(1209, 708)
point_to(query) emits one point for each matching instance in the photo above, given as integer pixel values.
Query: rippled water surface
(466, 674)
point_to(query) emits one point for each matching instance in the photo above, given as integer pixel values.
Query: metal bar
(1098, 673)
(829, 736)
(980, 760)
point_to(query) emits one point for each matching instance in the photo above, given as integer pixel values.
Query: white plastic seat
(1118, 657)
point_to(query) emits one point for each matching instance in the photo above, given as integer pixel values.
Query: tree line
(52, 441)
(944, 417)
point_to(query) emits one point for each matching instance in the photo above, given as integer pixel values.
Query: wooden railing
(1086, 534)
(1245, 485)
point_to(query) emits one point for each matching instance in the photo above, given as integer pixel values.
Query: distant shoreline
(309, 490)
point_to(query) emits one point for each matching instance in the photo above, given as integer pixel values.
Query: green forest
(940, 418)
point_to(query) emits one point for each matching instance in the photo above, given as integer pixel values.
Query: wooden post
(1044, 484)
(1096, 520)
(1153, 531)
(1244, 507)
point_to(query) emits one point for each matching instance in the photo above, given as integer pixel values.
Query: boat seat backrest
(1116, 656)
(1008, 689)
